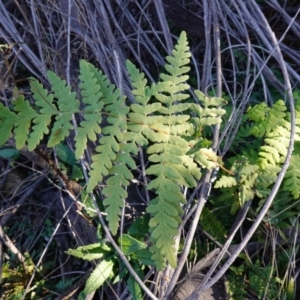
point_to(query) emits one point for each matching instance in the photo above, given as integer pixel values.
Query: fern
(160, 119)
(113, 156)
(210, 222)
(271, 124)
(284, 211)
(266, 118)
(242, 182)
(167, 156)
(208, 113)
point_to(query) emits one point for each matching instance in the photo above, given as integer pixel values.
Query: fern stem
(144, 175)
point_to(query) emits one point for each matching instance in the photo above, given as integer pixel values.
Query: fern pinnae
(113, 106)
(292, 178)
(91, 95)
(266, 118)
(115, 192)
(42, 121)
(23, 121)
(7, 121)
(67, 104)
(113, 154)
(42, 97)
(142, 125)
(276, 145)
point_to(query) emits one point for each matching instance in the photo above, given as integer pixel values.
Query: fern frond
(210, 222)
(173, 83)
(165, 153)
(7, 121)
(265, 179)
(113, 155)
(275, 150)
(91, 95)
(43, 119)
(225, 181)
(23, 120)
(192, 168)
(206, 158)
(142, 126)
(284, 210)
(112, 134)
(258, 113)
(67, 104)
(168, 154)
(291, 181)
(267, 118)
(115, 193)
(211, 113)
(165, 209)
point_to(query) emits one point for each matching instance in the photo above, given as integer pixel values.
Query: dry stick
(207, 274)
(135, 27)
(295, 26)
(217, 47)
(195, 295)
(9, 32)
(238, 223)
(149, 44)
(111, 41)
(68, 81)
(66, 294)
(263, 35)
(243, 213)
(207, 54)
(164, 24)
(119, 82)
(206, 185)
(35, 32)
(11, 64)
(10, 245)
(1, 261)
(244, 101)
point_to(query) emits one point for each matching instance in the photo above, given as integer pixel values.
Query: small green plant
(107, 267)
(260, 280)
